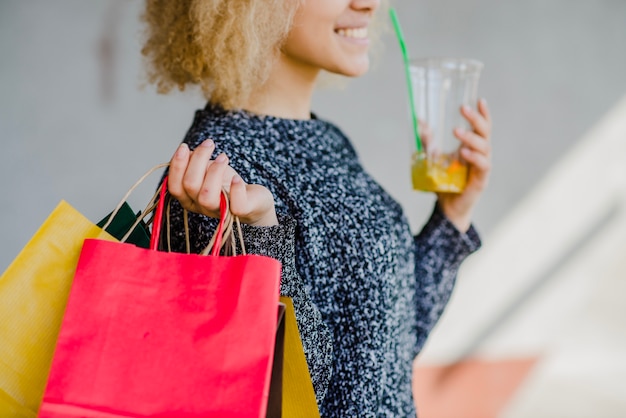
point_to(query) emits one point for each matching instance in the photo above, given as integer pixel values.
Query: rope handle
(158, 217)
(225, 234)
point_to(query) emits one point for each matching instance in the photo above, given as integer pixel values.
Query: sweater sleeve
(440, 250)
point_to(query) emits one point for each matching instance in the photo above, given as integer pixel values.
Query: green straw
(407, 69)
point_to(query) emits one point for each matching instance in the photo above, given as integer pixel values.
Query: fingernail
(236, 179)
(483, 101)
(180, 151)
(208, 143)
(221, 158)
(460, 131)
(467, 109)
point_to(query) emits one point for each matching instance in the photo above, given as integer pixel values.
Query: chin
(357, 73)
(355, 70)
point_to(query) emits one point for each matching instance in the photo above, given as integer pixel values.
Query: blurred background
(537, 324)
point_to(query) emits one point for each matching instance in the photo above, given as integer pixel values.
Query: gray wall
(76, 125)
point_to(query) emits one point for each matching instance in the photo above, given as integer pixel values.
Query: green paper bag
(122, 222)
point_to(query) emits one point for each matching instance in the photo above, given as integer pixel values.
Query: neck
(287, 93)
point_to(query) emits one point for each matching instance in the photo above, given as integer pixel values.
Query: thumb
(238, 196)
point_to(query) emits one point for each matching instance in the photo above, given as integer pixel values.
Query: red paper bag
(156, 334)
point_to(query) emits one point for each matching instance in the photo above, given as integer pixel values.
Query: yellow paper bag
(298, 394)
(33, 294)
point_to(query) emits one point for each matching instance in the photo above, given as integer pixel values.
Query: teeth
(357, 33)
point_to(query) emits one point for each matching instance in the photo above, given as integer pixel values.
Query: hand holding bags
(159, 334)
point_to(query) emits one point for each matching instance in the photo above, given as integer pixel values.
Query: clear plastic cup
(440, 87)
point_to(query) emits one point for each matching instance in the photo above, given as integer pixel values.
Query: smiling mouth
(354, 33)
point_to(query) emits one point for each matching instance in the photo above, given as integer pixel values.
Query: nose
(368, 6)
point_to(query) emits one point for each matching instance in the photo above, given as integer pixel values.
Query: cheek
(310, 43)
(313, 41)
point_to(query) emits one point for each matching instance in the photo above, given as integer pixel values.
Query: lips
(354, 33)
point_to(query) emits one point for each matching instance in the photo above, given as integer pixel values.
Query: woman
(366, 292)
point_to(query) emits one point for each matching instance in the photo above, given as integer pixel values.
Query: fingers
(197, 169)
(178, 166)
(476, 150)
(481, 120)
(478, 160)
(473, 141)
(208, 196)
(484, 110)
(238, 197)
(426, 133)
(196, 180)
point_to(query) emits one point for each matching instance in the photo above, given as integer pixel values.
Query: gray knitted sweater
(366, 292)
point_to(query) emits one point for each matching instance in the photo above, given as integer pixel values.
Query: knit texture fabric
(365, 291)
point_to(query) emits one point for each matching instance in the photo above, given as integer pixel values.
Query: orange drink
(441, 173)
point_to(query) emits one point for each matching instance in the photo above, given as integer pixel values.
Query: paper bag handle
(158, 217)
(224, 226)
(224, 210)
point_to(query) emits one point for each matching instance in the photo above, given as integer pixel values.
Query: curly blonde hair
(227, 47)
